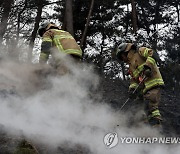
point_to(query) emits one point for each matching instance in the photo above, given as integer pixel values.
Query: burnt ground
(113, 92)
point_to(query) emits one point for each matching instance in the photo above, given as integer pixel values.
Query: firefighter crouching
(142, 63)
(57, 42)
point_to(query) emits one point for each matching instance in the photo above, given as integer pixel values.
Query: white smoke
(61, 110)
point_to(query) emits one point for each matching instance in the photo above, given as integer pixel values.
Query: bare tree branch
(87, 24)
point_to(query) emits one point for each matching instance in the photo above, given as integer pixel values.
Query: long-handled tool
(133, 92)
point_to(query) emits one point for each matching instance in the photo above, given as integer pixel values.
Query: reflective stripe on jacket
(137, 60)
(58, 40)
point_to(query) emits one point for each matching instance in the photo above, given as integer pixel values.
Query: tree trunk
(127, 21)
(19, 20)
(87, 24)
(36, 26)
(177, 10)
(1, 2)
(123, 71)
(69, 17)
(134, 17)
(147, 26)
(154, 37)
(4, 20)
(100, 56)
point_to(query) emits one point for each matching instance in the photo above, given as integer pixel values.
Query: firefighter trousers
(151, 102)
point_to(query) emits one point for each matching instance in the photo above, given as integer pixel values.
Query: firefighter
(143, 64)
(57, 42)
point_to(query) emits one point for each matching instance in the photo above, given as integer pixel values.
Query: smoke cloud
(60, 110)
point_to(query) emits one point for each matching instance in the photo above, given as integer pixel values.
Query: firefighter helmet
(123, 48)
(42, 28)
(46, 26)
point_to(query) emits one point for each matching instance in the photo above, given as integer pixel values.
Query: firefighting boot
(155, 121)
(154, 118)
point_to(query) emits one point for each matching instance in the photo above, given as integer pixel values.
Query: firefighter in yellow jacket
(55, 42)
(143, 63)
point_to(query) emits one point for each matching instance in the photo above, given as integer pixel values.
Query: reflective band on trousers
(154, 114)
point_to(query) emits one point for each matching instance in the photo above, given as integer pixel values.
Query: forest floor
(113, 92)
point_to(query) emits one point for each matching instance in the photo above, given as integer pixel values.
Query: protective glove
(147, 71)
(132, 94)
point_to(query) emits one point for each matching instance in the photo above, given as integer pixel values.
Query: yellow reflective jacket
(137, 60)
(58, 40)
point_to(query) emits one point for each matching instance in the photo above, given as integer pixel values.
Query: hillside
(108, 92)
